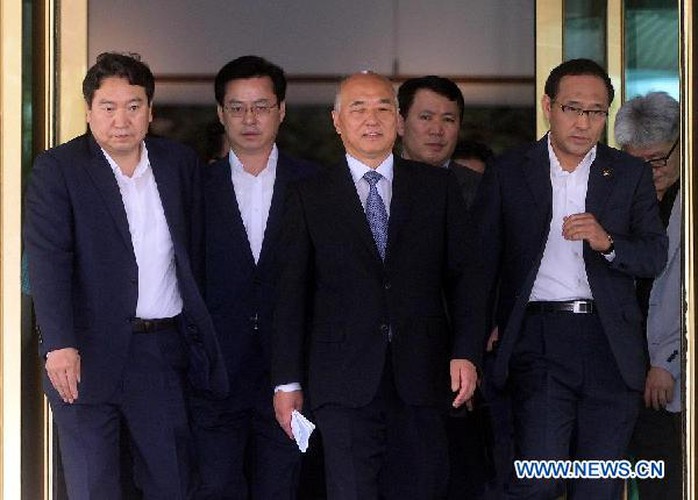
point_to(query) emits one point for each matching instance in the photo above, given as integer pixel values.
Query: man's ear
(546, 104)
(400, 125)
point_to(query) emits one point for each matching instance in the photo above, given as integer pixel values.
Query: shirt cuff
(293, 386)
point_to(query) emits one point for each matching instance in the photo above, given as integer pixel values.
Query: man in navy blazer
(566, 224)
(113, 236)
(374, 249)
(244, 196)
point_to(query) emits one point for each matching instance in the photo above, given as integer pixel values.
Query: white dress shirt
(562, 274)
(385, 189)
(158, 290)
(254, 194)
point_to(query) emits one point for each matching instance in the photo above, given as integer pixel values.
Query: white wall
(328, 37)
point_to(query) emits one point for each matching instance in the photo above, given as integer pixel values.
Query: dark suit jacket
(514, 209)
(238, 292)
(83, 269)
(338, 301)
(468, 180)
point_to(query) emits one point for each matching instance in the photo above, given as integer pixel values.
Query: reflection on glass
(651, 47)
(585, 30)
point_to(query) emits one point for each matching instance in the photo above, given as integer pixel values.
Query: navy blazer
(239, 293)
(83, 268)
(513, 210)
(338, 302)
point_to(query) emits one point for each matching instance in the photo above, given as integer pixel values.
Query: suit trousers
(387, 449)
(242, 451)
(151, 402)
(569, 401)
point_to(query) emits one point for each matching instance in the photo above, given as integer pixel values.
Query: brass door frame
(10, 249)
(59, 35)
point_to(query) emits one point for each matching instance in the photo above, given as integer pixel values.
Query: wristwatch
(611, 247)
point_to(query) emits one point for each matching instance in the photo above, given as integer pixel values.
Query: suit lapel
(399, 205)
(222, 196)
(271, 232)
(169, 190)
(537, 175)
(601, 182)
(103, 178)
(349, 206)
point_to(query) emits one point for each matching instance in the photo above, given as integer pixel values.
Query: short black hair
(121, 65)
(577, 67)
(442, 86)
(250, 67)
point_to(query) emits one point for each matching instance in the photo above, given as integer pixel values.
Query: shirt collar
(142, 166)
(237, 168)
(358, 169)
(556, 168)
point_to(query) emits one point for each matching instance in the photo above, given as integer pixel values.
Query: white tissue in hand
(302, 428)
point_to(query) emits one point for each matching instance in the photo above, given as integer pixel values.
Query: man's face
(118, 116)
(367, 118)
(573, 135)
(430, 130)
(251, 115)
(663, 175)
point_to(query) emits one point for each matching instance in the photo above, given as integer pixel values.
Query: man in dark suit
(566, 225)
(431, 112)
(112, 230)
(244, 195)
(371, 247)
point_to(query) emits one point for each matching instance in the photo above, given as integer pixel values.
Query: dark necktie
(375, 212)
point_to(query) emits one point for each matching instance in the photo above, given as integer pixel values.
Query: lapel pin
(607, 172)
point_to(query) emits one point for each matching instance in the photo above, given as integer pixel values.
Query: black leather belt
(569, 306)
(153, 325)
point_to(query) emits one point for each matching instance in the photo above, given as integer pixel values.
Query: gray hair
(338, 93)
(648, 120)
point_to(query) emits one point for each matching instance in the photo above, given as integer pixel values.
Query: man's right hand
(284, 404)
(63, 368)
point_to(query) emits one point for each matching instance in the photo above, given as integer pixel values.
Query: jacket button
(387, 285)
(384, 328)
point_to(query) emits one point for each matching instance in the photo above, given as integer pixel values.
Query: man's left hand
(659, 388)
(463, 380)
(585, 227)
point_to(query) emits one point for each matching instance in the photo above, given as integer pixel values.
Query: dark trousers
(242, 451)
(386, 449)
(569, 402)
(151, 402)
(658, 436)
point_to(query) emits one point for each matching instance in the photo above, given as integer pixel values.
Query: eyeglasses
(574, 111)
(664, 160)
(239, 110)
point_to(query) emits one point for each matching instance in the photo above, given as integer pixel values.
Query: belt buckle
(579, 307)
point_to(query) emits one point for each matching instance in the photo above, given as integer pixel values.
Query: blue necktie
(375, 212)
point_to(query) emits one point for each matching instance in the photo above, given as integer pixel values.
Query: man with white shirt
(566, 224)
(372, 247)
(113, 226)
(244, 194)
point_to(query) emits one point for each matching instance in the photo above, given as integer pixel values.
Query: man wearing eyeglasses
(567, 224)
(243, 196)
(648, 127)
